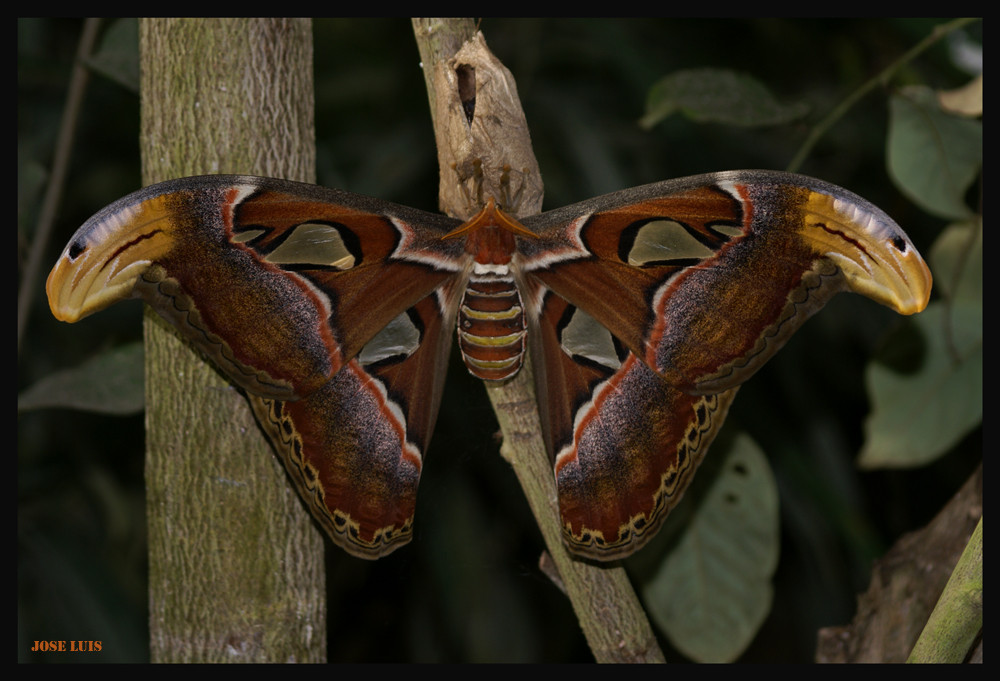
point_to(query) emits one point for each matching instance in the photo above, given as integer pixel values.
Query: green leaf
(110, 383)
(117, 56)
(918, 415)
(713, 591)
(717, 96)
(956, 260)
(933, 156)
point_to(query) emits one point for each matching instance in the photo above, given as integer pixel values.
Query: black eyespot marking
(900, 243)
(75, 249)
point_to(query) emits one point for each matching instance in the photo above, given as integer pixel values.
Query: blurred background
(467, 589)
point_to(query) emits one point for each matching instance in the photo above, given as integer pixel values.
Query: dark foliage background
(467, 588)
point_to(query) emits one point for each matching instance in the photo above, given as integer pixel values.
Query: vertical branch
(57, 179)
(490, 149)
(236, 566)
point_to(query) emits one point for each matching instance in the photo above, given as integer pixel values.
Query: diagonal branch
(484, 149)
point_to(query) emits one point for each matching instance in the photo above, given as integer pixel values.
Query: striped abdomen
(491, 327)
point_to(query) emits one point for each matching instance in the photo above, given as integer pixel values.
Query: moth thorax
(491, 327)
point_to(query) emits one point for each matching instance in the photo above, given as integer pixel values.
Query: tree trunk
(236, 565)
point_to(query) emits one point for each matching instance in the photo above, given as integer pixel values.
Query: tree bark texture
(236, 565)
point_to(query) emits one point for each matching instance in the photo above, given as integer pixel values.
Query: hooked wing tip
(107, 255)
(876, 257)
(78, 287)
